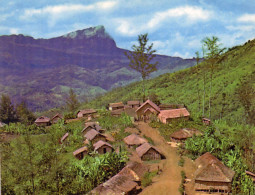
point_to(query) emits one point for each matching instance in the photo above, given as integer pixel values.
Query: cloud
(191, 13)
(140, 24)
(247, 18)
(57, 12)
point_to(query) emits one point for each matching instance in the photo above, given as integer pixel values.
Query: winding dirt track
(167, 183)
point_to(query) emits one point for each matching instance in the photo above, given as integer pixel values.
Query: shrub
(181, 162)
(147, 178)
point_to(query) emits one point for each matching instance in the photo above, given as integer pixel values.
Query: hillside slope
(181, 87)
(41, 71)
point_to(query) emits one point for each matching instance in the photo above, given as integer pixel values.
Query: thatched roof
(134, 170)
(154, 106)
(90, 135)
(80, 150)
(87, 111)
(212, 169)
(93, 125)
(57, 116)
(42, 119)
(101, 143)
(185, 133)
(130, 103)
(174, 113)
(117, 112)
(144, 148)
(134, 139)
(117, 185)
(64, 137)
(149, 110)
(117, 104)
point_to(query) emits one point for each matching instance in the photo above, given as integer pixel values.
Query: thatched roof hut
(81, 152)
(116, 106)
(165, 116)
(133, 104)
(86, 112)
(148, 104)
(117, 185)
(42, 121)
(64, 138)
(134, 139)
(91, 125)
(212, 175)
(183, 134)
(94, 136)
(56, 118)
(148, 152)
(102, 147)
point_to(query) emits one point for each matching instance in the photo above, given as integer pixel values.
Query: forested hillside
(232, 87)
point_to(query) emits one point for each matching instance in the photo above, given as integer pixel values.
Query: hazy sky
(176, 27)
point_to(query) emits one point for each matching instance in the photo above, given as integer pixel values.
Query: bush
(147, 178)
(181, 162)
(69, 115)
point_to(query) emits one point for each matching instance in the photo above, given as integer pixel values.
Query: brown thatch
(101, 143)
(212, 169)
(118, 104)
(56, 118)
(87, 111)
(92, 125)
(90, 135)
(117, 185)
(80, 150)
(134, 139)
(154, 106)
(64, 138)
(134, 171)
(117, 112)
(184, 133)
(144, 148)
(42, 119)
(174, 113)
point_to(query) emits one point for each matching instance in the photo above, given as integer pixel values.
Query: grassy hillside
(181, 87)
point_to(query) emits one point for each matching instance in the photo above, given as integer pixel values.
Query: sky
(175, 27)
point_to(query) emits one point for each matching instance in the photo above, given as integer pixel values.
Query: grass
(147, 178)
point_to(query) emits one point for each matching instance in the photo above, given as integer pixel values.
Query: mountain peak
(97, 31)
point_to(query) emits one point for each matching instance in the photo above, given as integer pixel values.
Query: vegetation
(141, 58)
(7, 111)
(72, 102)
(147, 178)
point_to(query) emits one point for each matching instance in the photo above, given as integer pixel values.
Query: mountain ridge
(87, 60)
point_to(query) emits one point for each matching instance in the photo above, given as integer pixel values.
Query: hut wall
(97, 138)
(212, 186)
(55, 120)
(104, 149)
(140, 112)
(151, 154)
(169, 120)
(87, 130)
(43, 124)
(79, 115)
(81, 155)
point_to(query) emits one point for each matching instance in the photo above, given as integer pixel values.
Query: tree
(24, 114)
(141, 57)
(7, 111)
(72, 101)
(212, 52)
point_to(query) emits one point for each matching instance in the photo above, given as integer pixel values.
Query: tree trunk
(144, 89)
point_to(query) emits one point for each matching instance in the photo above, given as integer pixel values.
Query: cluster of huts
(148, 110)
(46, 121)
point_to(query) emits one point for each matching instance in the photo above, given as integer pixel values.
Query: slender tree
(141, 58)
(197, 72)
(72, 101)
(212, 52)
(7, 111)
(24, 114)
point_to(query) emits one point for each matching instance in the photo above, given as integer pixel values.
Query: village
(205, 175)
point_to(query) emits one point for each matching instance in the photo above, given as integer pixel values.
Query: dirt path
(167, 183)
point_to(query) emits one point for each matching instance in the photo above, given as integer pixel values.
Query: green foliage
(7, 111)
(24, 114)
(72, 102)
(147, 178)
(223, 143)
(149, 140)
(20, 128)
(69, 115)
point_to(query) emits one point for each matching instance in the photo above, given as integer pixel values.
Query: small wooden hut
(91, 125)
(116, 106)
(134, 140)
(81, 152)
(182, 134)
(166, 116)
(103, 147)
(86, 113)
(42, 121)
(133, 104)
(94, 136)
(62, 140)
(148, 152)
(212, 176)
(56, 118)
(141, 110)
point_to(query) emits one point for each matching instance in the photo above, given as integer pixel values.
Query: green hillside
(237, 64)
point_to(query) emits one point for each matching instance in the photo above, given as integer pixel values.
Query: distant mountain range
(41, 71)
